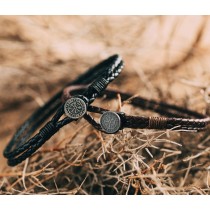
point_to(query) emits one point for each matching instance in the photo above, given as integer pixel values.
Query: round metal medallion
(75, 108)
(110, 122)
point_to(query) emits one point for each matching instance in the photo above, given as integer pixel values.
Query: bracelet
(178, 118)
(21, 146)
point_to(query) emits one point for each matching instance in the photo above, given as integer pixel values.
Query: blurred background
(166, 57)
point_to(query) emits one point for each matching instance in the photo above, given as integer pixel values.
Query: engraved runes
(110, 122)
(75, 108)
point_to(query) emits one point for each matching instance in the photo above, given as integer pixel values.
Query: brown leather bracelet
(178, 118)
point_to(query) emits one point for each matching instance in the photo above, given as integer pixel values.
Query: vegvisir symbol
(75, 108)
(110, 122)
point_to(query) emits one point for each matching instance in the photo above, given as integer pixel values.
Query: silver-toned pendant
(75, 107)
(110, 122)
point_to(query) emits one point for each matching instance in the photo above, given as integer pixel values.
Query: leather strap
(22, 145)
(177, 118)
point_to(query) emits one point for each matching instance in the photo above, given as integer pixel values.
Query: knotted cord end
(48, 130)
(157, 122)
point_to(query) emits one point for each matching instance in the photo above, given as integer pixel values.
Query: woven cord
(21, 146)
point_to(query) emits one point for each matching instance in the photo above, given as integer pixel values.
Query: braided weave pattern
(22, 146)
(179, 118)
(175, 123)
(112, 71)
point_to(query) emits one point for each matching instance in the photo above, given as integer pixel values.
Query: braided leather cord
(167, 123)
(45, 133)
(21, 147)
(112, 70)
(141, 122)
(178, 118)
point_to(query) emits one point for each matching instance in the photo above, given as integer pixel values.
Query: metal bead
(75, 107)
(110, 122)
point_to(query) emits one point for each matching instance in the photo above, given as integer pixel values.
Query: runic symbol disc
(110, 122)
(75, 108)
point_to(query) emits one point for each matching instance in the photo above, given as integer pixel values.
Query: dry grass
(167, 58)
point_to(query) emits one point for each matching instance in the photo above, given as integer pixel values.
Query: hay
(166, 57)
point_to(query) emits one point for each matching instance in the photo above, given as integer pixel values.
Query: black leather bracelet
(22, 146)
(178, 118)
